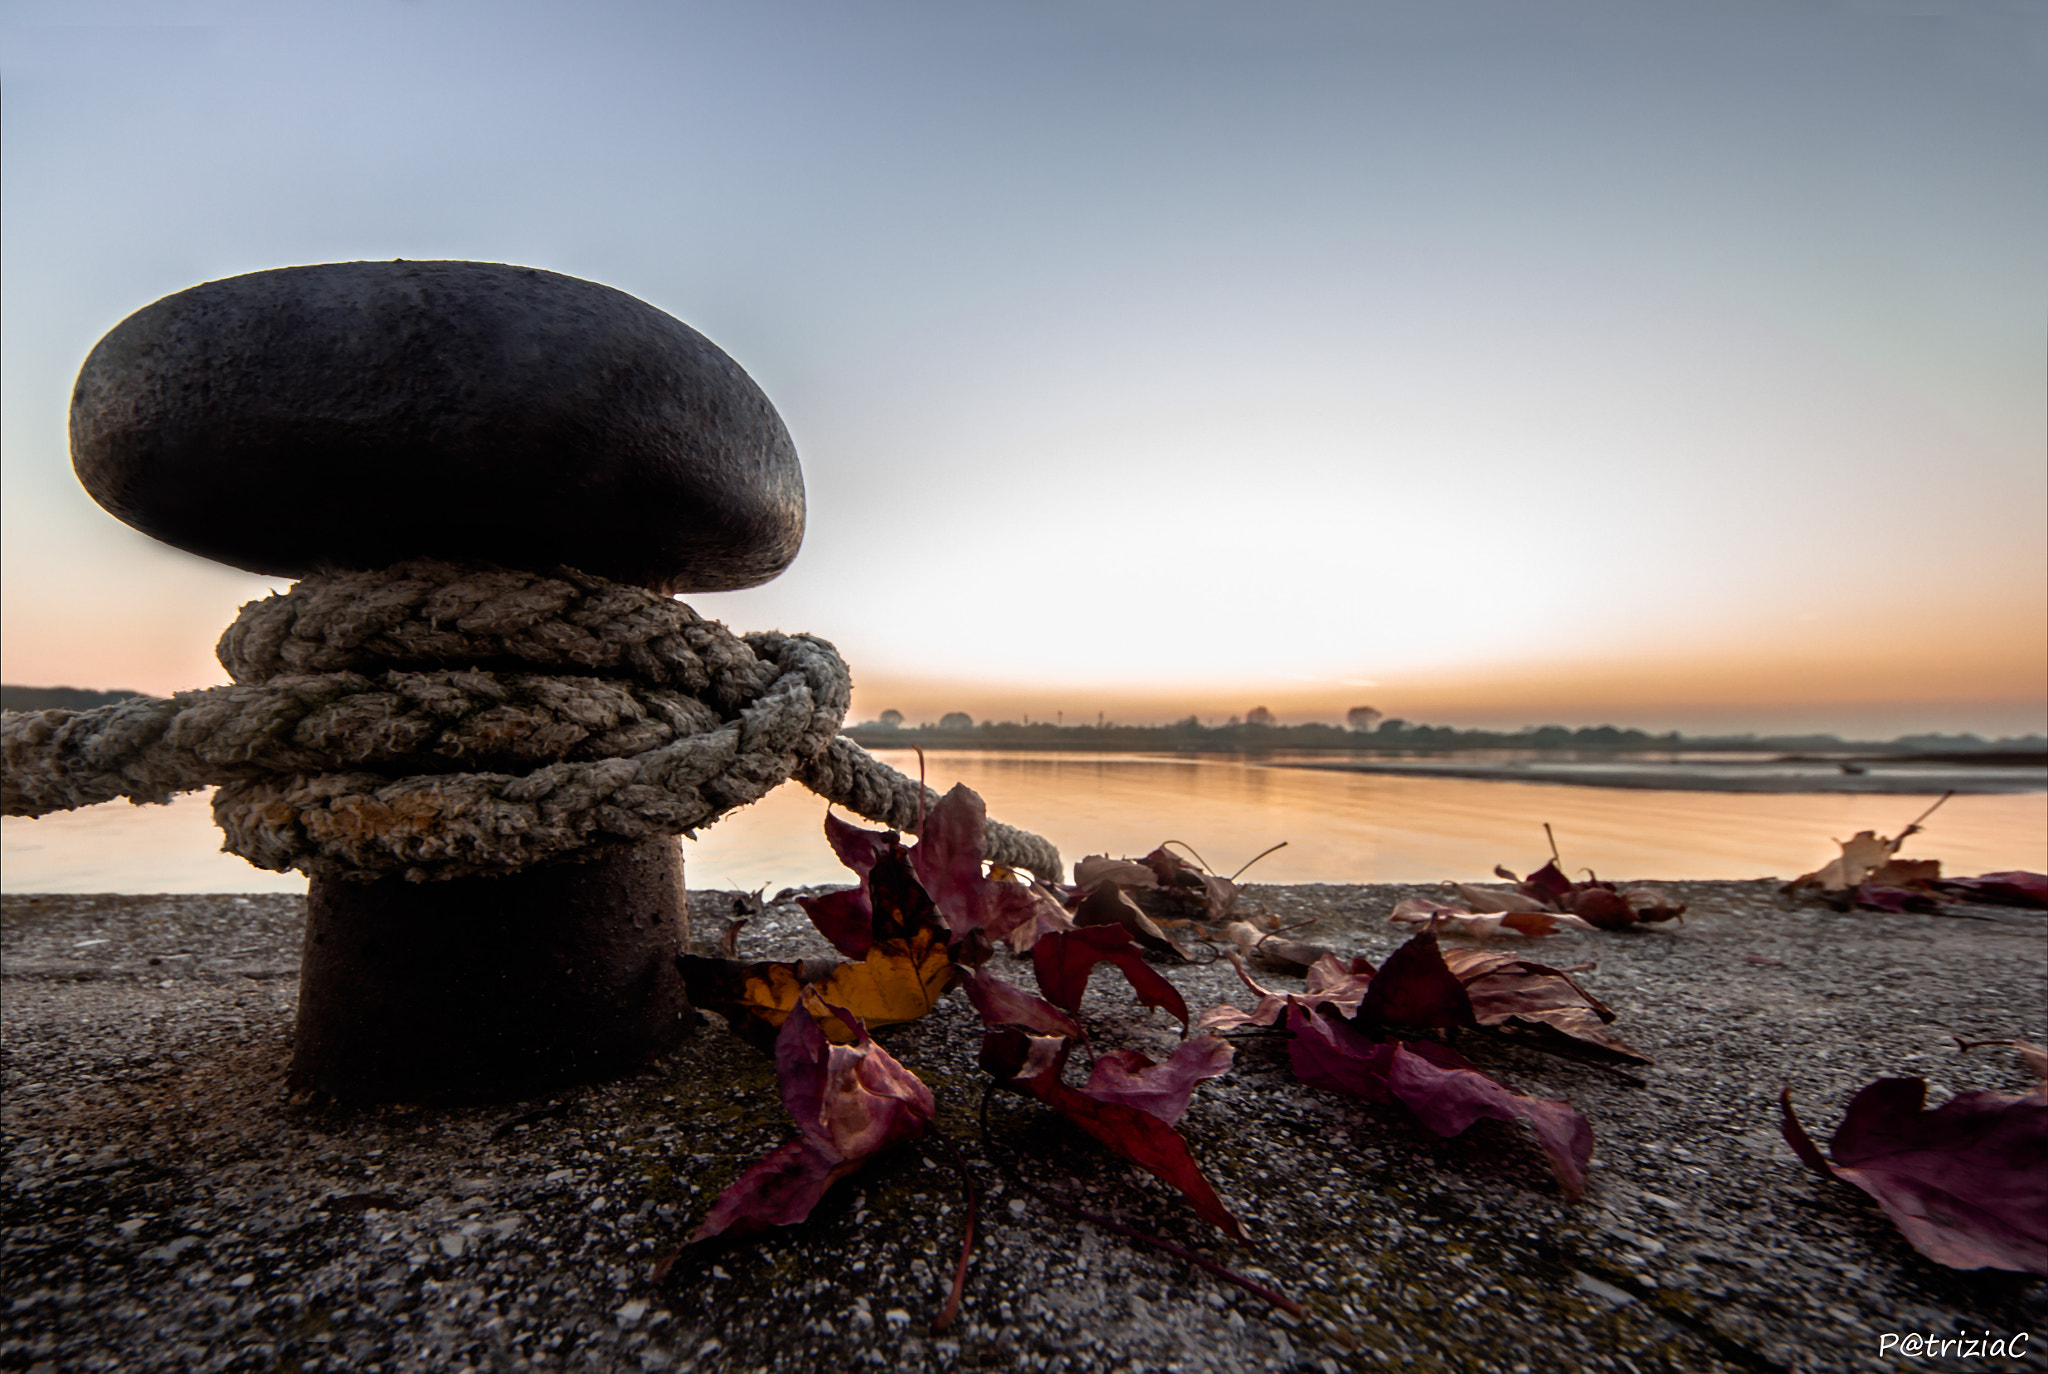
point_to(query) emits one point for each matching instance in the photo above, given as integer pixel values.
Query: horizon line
(1397, 727)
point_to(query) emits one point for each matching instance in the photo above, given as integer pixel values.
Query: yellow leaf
(899, 981)
(1861, 855)
(769, 991)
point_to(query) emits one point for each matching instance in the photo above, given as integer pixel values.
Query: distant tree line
(1368, 730)
(57, 698)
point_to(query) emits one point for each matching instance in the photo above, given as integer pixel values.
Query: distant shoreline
(1433, 752)
(1990, 782)
(1861, 769)
(1401, 739)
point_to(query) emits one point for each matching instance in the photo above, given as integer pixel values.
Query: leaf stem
(921, 789)
(1914, 827)
(1259, 1290)
(1255, 858)
(952, 1308)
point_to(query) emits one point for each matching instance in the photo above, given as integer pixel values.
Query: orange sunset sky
(1487, 364)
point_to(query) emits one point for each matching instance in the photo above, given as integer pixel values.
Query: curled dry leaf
(1111, 905)
(1341, 1036)
(847, 918)
(1547, 885)
(1862, 855)
(1160, 1089)
(1331, 982)
(1423, 987)
(1901, 885)
(1436, 1084)
(1064, 960)
(1034, 1065)
(1005, 1004)
(1048, 917)
(1339, 983)
(901, 954)
(1599, 904)
(939, 883)
(755, 999)
(1896, 900)
(1226, 1017)
(1415, 990)
(1162, 886)
(898, 980)
(1119, 1075)
(850, 1102)
(1964, 1183)
(1486, 899)
(1868, 873)
(948, 862)
(1130, 1102)
(1610, 908)
(1274, 950)
(917, 917)
(2014, 887)
(890, 903)
(1543, 1005)
(1449, 918)
(1097, 869)
(1186, 890)
(1651, 904)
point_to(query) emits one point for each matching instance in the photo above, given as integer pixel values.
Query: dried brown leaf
(1527, 1000)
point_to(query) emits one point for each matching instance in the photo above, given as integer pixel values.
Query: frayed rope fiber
(441, 721)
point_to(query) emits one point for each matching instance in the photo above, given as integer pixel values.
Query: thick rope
(441, 722)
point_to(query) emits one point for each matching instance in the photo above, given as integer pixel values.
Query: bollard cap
(350, 415)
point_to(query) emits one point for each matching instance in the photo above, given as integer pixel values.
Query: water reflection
(1356, 827)
(1341, 827)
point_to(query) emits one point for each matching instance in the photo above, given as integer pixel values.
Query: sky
(1677, 366)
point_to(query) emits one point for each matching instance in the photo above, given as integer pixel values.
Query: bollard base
(492, 988)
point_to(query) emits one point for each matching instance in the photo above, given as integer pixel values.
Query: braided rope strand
(405, 721)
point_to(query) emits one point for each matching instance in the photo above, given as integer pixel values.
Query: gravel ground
(168, 1206)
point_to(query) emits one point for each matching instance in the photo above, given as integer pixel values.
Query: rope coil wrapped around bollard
(436, 720)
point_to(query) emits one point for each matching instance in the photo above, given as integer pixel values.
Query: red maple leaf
(850, 1103)
(1966, 1184)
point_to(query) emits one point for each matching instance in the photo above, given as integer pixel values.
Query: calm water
(1340, 827)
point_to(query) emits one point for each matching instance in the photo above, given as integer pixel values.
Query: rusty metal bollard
(354, 415)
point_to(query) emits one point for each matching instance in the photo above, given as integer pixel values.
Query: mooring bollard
(479, 721)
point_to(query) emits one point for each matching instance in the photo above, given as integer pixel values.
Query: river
(1339, 827)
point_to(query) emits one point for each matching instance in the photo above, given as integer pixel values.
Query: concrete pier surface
(169, 1205)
